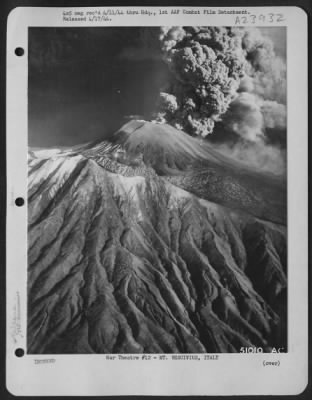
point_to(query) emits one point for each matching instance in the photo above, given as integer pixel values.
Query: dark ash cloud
(229, 78)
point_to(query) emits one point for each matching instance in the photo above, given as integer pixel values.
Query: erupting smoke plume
(266, 70)
(258, 154)
(224, 74)
(249, 116)
(207, 64)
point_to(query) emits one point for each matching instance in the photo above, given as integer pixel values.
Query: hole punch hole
(19, 352)
(19, 201)
(19, 51)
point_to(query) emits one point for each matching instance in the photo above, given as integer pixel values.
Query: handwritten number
(261, 17)
(280, 18)
(253, 18)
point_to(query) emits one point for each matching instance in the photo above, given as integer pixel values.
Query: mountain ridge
(123, 259)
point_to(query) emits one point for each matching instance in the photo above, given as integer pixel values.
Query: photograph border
(18, 186)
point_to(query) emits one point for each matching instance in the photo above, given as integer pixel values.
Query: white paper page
(162, 157)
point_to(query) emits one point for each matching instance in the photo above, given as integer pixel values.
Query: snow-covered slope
(123, 259)
(194, 165)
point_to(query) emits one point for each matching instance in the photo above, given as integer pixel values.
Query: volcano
(153, 242)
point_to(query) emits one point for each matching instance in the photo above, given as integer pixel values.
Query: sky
(85, 82)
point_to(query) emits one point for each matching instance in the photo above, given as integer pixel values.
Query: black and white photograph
(157, 201)
(157, 190)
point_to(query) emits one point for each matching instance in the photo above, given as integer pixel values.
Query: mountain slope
(123, 261)
(194, 165)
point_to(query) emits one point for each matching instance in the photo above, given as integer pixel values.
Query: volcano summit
(153, 242)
